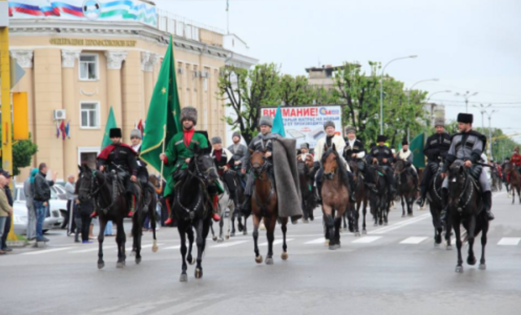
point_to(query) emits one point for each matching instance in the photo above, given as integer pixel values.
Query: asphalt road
(392, 270)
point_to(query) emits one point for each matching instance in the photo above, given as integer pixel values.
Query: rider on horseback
(516, 159)
(181, 150)
(142, 172)
(239, 151)
(320, 149)
(263, 143)
(121, 158)
(436, 149)
(224, 160)
(467, 145)
(354, 150)
(382, 155)
(407, 156)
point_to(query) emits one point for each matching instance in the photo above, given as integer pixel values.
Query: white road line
(173, 247)
(276, 242)
(366, 240)
(230, 244)
(401, 224)
(47, 251)
(90, 250)
(414, 240)
(509, 241)
(317, 241)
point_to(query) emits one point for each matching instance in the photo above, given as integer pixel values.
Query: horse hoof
(471, 261)
(269, 261)
(258, 259)
(120, 265)
(482, 267)
(364, 232)
(448, 247)
(183, 277)
(191, 260)
(220, 240)
(459, 269)
(327, 243)
(101, 265)
(138, 261)
(227, 237)
(198, 273)
(155, 248)
(410, 215)
(284, 256)
(214, 238)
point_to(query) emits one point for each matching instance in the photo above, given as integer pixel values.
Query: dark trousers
(85, 225)
(230, 183)
(426, 177)
(7, 228)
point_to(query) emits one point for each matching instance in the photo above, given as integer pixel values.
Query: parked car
(20, 218)
(56, 205)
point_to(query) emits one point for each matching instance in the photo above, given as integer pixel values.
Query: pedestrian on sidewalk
(42, 195)
(85, 209)
(71, 204)
(7, 227)
(31, 212)
(108, 229)
(5, 209)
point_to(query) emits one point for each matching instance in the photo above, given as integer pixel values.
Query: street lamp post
(382, 91)
(483, 107)
(467, 95)
(409, 99)
(490, 130)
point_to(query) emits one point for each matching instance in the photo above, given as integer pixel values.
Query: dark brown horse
(306, 174)
(514, 180)
(465, 207)
(264, 205)
(361, 196)
(335, 195)
(406, 188)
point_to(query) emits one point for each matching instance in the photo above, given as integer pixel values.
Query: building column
(71, 107)
(148, 62)
(114, 62)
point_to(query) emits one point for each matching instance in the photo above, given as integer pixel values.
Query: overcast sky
(470, 45)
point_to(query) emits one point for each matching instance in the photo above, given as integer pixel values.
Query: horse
(306, 175)
(109, 198)
(236, 212)
(406, 188)
(225, 204)
(514, 180)
(466, 208)
(436, 207)
(361, 196)
(192, 207)
(379, 200)
(265, 207)
(496, 179)
(335, 194)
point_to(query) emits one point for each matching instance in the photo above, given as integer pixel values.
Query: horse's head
(457, 177)
(85, 185)
(258, 161)
(399, 166)
(330, 162)
(205, 166)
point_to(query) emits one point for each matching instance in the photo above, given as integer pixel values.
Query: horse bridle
(458, 203)
(92, 194)
(331, 175)
(258, 169)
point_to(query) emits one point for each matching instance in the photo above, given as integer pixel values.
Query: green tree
(245, 91)
(295, 90)
(23, 152)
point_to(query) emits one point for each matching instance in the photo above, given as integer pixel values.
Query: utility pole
(467, 95)
(5, 73)
(490, 130)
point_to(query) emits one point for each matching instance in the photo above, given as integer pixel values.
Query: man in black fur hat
(382, 155)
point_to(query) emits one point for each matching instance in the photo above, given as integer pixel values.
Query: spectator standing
(71, 204)
(85, 209)
(7, 227)
(5, 209)
(31, 212)
(41, 197)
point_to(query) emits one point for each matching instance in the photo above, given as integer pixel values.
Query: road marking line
(366, 239)
(90, 250)
(400, 224)
(173, 247)
(414, 240)
(46, 251)
(509, 241)
(276, 242)
(317, 241)
(229, 244)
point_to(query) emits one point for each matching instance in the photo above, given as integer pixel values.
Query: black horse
(436, 206)
(406, 188)
(466, 208)
(192, 207)
(379, 200)
(110, 201)
(237, 211)
(306, 174)
(361, 196)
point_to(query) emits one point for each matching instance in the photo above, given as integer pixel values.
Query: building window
(88, 67)
(90, 115)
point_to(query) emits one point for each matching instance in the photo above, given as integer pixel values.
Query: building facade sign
(93, 10)
(92, 42)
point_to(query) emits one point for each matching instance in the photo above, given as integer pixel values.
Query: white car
(56, 205)
(20, 220)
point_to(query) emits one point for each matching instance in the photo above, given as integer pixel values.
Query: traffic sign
(17, 72)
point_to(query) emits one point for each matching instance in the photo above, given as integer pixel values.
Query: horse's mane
(342, 171)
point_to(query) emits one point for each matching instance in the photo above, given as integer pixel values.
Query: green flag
(163, 115)
(111, 123)
(278, 123)
(417, 149)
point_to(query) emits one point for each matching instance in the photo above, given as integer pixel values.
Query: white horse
(224, 205)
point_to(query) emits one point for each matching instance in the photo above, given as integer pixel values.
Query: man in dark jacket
(7, 228)
(42, 195)
(436, 149)
(382, 155)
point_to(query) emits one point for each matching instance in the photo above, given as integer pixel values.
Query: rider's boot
(170, 219)
(215, 216)
(352, 188)
(445, 202)
(487, 205)
(423, 195)
(246, 206)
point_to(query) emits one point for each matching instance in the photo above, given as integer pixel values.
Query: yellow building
(78, 66)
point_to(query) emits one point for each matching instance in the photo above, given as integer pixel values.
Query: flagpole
(162, 161)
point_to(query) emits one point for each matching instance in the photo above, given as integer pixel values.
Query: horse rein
(458, 203)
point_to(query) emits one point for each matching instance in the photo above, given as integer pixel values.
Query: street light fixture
(490, 130)
(382, 90)
(432, 94)
(483, 107)
(467, 95)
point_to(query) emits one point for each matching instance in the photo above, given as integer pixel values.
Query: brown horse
(361, 196)
(306, 174)
(264, 205)
(514, 180)
(335, 195)
(406, 188)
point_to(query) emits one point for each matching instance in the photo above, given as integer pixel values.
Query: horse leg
(137, 235)
(232, 233)
(101, 236)
(153, 223)
(364, 213)
(403, 206)
(221, 228)
(330, 228)
(190, 233)
(270, 234)
(448, 231)
(514, 195)
(121, 239)
(256, 223)
(284, 229)
(200, 248)
(482, 263)
(338, 222)
(357, 218)
(214, 238)
(181, 228)
(459, 266)
(436, 222)
(245, 227)
(410, 205)
(471, 233)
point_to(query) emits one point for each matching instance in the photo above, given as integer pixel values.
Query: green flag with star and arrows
(163, 115)
(111, 123)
